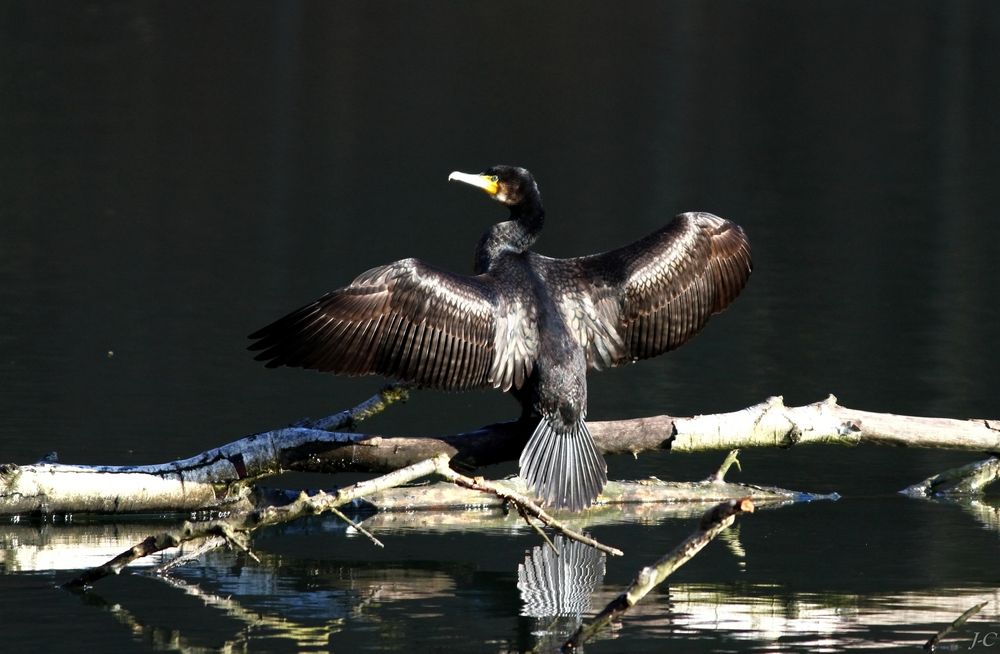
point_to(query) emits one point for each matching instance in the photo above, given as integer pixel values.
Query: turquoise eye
(494, 179)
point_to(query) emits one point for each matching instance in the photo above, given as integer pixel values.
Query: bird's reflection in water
(556, 589)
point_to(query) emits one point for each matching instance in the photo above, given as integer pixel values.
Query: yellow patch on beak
(485, 182)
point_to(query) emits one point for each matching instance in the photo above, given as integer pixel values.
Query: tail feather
(563, 468)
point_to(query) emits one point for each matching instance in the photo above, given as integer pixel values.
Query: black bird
(524, 323)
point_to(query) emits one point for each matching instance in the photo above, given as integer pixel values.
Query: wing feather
(654, 295)
(413, 322)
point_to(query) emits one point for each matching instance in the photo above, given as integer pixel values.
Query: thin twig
(538, 530)
(524, 502)
(335, 511)
(206, 546)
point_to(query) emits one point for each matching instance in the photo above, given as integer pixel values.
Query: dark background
(175, 175)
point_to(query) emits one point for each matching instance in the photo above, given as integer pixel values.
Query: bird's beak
(485, 182)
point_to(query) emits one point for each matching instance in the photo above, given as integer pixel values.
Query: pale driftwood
(26, 546)
(443, 495)
(713, 523)
(772, 424)
(219, 478)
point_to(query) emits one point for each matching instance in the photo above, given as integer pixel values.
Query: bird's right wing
(649, 297)
(412, 322)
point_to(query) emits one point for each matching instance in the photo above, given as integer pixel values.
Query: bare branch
(207, 545)
(712, 524)
(348, 420)
(932, 644)
(538, 530)
(442, 495)
(249, 522)
(731, 459)
(524, 503)
(357, 526)
(221, 479)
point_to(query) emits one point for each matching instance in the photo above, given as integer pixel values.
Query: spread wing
(654, 295)
(412, 322)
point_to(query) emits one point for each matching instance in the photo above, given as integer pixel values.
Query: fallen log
(223, 478)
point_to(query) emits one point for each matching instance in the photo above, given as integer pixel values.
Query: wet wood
(232, 527)
(970, 479)
(645, 491)
(713, 523)
(936, 639)
(235, 528)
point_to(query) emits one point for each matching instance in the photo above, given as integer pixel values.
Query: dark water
(175, 175)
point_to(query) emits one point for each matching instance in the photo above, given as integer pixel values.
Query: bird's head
(508, 185)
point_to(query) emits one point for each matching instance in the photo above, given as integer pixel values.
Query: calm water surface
(173, 176)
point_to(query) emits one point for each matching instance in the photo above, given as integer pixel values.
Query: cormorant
(524, 323)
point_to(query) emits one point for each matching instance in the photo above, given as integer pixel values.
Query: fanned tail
(563, 468)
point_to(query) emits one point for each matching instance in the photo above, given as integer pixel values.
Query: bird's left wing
(653, 295)
(409, 321)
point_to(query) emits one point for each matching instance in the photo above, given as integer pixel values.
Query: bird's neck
(512, 236)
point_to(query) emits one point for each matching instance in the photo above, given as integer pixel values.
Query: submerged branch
(936, 639)
(712, 524)
(616, 493)
(970, 479)
(248, 522)
(235, 528)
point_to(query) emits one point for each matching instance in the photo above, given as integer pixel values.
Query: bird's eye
(494, 179)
